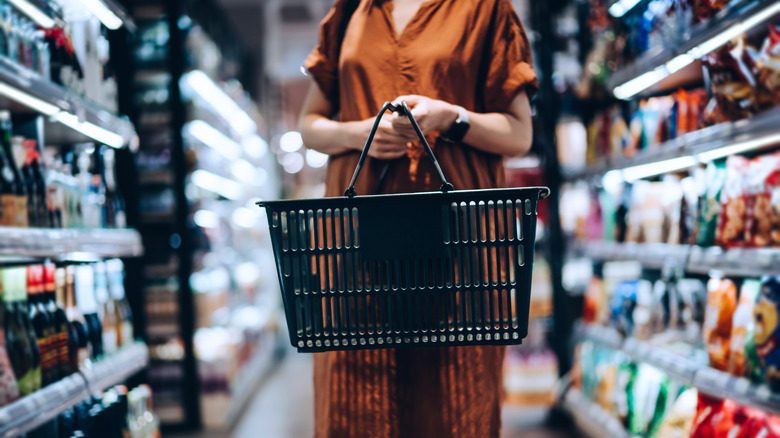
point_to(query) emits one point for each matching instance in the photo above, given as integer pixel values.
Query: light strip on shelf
(103, 13)
(738, 148)
(28, 100)
(91, 130)
(213, 138)
(197, 83)
(621, 7)
(641, 83)
(658, 168)
(216, 184)
(35, 14)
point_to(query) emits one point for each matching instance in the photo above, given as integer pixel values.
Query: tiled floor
(283, 408)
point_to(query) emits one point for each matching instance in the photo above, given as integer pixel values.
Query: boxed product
(721, 303)
(766, 333)
(731, 221)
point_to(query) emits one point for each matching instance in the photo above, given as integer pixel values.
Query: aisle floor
(283, 408)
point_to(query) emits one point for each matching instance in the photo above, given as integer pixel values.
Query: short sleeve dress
(472, 53)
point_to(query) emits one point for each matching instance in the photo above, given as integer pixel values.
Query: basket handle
(402, 109)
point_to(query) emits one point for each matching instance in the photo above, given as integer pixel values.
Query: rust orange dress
(472, 53)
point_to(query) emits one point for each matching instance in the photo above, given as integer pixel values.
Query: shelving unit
(61, 244)
(737, 262)
(591, 418)
(705, 379)
(28, 413)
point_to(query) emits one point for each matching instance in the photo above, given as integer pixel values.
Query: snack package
(766, 332)
(687, 213)
(672, 205)
(635, 129)
(765, 426)
(768, 70)
(693, 297)
(762, 226)
(733, 201)
(678, 422)
(624, 302)
(732, 82)
(619, 135)
(649, 394)
(593, 302)
(721, 303)
(709, 184)
(706, 409)
(742, 326)
(626, 376)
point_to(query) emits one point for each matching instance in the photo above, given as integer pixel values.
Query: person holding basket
(464, 68)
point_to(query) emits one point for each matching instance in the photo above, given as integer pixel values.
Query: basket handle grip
(402, 109)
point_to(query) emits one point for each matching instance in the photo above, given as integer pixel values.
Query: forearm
(499, 133)
(328, 136)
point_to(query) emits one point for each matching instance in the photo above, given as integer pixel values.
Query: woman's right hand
(388, 143)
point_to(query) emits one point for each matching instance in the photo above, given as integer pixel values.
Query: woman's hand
(388, 143)
(431, 115)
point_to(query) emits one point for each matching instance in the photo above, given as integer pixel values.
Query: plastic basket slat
(406, 270)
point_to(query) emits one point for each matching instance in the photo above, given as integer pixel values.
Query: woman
(464, 67)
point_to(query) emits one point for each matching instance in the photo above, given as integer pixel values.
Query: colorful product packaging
(768, 70)
(721, 303)
(733, 200)
(766, 334)
(742, 326)
(732, 82)
(763, 202)
(710, 184)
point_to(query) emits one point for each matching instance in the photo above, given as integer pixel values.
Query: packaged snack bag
(678, 422)
(624, 302)
(693, 295)
(721, 303)
(731, 221)
(768, 70)
(767, 330)
(765, 426)
(762, 226)
(732, 82)
(635, 128)
(619, 136)
(671, 194)
(710, 184)
(742, 326)
(687, 214)
(649, 394)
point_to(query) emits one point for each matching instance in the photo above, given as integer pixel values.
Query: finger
(411, 99)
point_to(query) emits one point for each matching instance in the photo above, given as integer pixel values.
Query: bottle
(24, 314)
(42, 323)
(9, 387)
(54, 294)
(107, 310)
(115, 204)
(85, 298)
(152, 429)
(7, 176)
(37, 209)
(80, 351)
(16, 155)
(116, 281)
(20, 349)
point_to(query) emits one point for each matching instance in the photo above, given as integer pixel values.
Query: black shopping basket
(419, 269)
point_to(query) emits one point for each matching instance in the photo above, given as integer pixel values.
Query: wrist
(459, 126)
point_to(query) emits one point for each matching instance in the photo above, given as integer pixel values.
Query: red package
(731, 220)
(732, 82)
(718, 316)
(762, 227)
(768, 426)
(706, 410)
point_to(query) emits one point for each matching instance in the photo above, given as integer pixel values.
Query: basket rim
(543, 192)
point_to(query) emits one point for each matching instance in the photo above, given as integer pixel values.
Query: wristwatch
(459, 127)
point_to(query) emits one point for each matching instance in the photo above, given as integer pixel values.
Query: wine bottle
(116, 281)
(20, 286)
(42, 323)
(54, 299)
(80, 350)
(37, 209)
(16, 156)
(107, 308)
(7, 177)
(85, 298)
(20, 348)
(9, 387)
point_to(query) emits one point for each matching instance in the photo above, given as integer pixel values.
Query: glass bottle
(9, 387)
(85, 298)
(17, 339)
(54, 299)
(24, 314)
(116, 282)
(115, 204)
(107, 308)
(42, 323)
(36, 186)
(16, 153)
(80, 351)
(8, 180)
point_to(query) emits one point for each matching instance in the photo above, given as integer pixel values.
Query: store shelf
(707, 380)
(703, 34)
(117, 367)
(67, 243)
(756, 133)
(590, 418)
(24, 91)
(735, 262)
(32, 411)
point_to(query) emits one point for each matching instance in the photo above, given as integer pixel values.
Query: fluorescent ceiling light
(738, 148)
(197, 83)
(216, 184)
(291, 141)
(206, 219)
(35, 14)
(28, 100)
(621, 7)
(103, 13)
(213, 138)
(647, 80)
(91, 130)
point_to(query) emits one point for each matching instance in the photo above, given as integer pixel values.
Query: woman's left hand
(431, 115)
